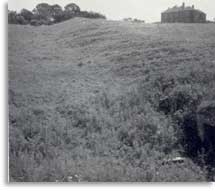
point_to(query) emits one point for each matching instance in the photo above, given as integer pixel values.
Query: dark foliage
(45, 14)
(26, 14)
(14, 18)
(92, 15)
(72, 8)
(44, 10)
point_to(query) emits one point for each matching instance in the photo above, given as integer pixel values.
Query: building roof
(181, 8)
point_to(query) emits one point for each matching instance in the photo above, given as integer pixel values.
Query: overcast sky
(148, 10)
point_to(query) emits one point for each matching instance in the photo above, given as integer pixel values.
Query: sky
(148, 10)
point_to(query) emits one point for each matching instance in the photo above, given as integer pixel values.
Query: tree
(57, 13)
(56, 10)
(21, 20)
(45, 14)
(28, 15)
(12, 17)
(44, 10)
(71, 10)
(72, 7)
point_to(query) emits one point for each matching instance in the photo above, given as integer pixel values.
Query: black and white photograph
(111, 91)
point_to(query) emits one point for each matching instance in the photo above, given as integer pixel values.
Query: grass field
(85, 100)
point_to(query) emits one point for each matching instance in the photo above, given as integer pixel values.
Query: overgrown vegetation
(45, 14)
(120, 139)
(91, 101)
(111, 139)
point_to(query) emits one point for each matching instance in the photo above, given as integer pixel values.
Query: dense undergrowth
(124, 138)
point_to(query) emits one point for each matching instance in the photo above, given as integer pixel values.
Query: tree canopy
(72, 7)
(28, 15)
(47, 14)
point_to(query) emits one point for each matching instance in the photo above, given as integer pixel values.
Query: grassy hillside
(85, 100)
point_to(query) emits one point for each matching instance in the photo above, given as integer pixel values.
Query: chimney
(183, 5)
(193, 7)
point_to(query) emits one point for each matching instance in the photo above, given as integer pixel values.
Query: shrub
(92, 15)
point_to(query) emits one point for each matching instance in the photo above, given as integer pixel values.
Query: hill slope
(84, 95)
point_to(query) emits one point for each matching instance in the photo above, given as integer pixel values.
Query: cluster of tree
(45, 14)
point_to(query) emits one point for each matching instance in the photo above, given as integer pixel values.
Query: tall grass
(110, 138)
(167, 72)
